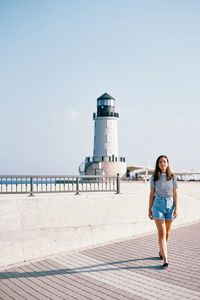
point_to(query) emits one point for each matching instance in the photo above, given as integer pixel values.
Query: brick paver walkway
(129, 269)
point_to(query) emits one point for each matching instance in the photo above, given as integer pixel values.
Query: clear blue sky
(57, 57)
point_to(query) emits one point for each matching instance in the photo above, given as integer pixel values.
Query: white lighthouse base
(106, 168)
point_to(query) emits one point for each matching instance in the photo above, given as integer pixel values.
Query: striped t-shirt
(163, 187)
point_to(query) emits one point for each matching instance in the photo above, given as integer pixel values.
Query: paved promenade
(127, 269)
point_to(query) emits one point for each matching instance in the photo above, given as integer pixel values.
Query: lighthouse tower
(105, 159)
(105, 132)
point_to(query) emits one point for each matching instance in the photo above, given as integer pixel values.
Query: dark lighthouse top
(106, 106)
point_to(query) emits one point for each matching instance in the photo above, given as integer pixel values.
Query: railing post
(118, 184)
(31, 191)
(77, 186)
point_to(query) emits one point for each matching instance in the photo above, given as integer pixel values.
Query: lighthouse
(105, 159)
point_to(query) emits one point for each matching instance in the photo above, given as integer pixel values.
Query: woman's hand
(151, 197)
(175, 214)
(150, 214)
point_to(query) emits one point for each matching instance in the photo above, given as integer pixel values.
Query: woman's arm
(151, 196)
(175, 203)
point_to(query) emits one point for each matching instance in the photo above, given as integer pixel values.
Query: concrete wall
(32, 227)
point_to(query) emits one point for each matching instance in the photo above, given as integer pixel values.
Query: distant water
(57, 181)
(29, 182)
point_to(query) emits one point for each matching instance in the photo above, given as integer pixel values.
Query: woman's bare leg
(161, 227)
(168, 224)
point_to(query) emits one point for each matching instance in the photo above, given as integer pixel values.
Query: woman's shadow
(104, 267)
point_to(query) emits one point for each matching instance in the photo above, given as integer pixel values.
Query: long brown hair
(157, 170)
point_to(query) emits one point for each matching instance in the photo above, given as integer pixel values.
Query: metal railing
(20, 184)
(111, 158)
(105, 114)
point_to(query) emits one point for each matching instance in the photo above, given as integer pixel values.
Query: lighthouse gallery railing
(24, 184)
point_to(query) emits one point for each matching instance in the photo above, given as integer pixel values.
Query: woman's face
(163, 164)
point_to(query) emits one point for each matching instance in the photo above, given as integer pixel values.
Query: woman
(163, 203)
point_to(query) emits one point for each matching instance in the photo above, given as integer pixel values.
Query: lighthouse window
(107, 102)
(112, 102)
(100, 102)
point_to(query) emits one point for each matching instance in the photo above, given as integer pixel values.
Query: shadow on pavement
(85, 269)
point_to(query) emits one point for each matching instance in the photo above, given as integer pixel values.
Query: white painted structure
(106, 129)
(105, 160)
(106, 136)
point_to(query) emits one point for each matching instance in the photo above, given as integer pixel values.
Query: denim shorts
(163, 208)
